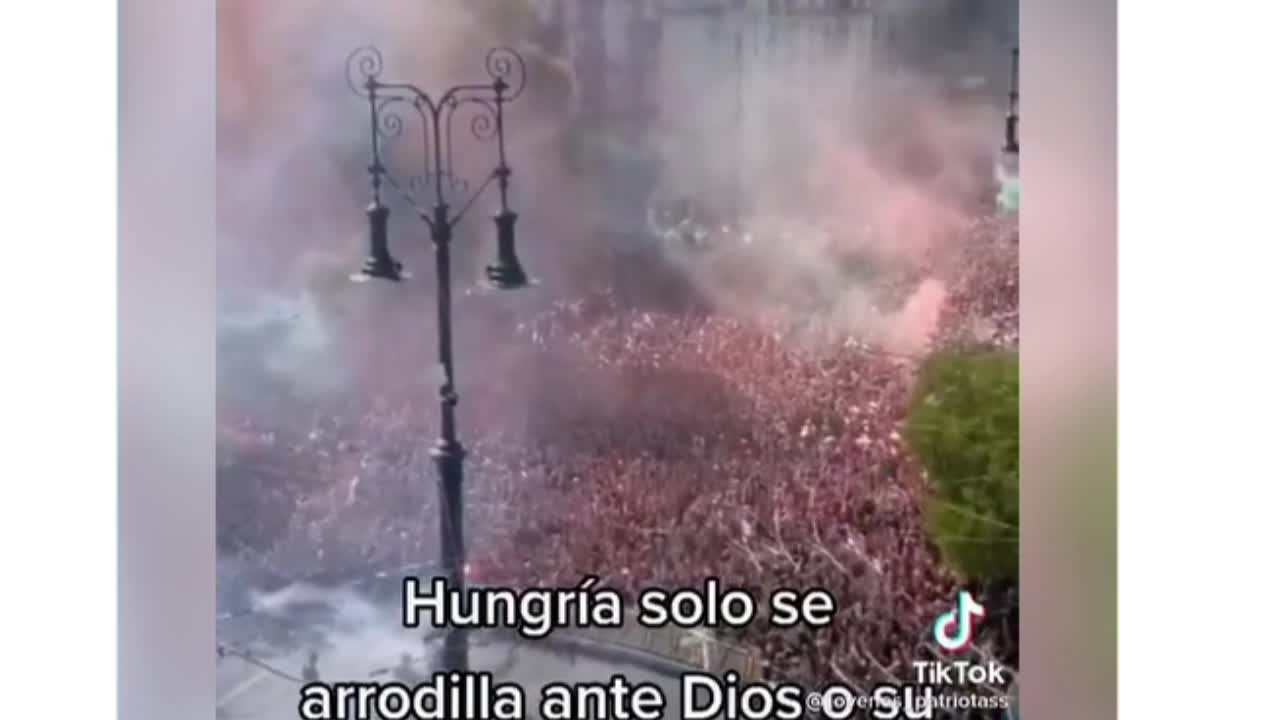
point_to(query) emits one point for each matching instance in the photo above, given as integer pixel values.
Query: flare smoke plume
(882, 187)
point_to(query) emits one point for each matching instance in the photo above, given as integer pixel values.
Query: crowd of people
(982, 306)
(649, 446)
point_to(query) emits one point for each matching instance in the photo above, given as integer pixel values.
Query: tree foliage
(963, 426)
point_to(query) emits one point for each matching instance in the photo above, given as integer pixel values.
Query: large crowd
(648, 445)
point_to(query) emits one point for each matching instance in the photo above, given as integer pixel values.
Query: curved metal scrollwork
(505, 66)
(420, 184)
(483, 125)
(436, 175)
(364, 65)
(390, 123)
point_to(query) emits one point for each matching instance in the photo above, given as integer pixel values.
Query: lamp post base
(448, 455)
(454, 653)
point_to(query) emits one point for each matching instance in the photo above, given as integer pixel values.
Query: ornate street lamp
(506, 70)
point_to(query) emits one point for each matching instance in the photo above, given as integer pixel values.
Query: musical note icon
(953, 630)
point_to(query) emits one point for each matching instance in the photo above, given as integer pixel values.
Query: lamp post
(386, 102)
(1011, 117)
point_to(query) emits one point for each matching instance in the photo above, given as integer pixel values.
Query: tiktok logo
(954, 628)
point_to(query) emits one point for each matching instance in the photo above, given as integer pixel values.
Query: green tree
(963, 427)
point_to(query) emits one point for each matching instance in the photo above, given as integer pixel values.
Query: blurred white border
(58, 361)
(1199, 358)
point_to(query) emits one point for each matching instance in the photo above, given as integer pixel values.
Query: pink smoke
(910, 330)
